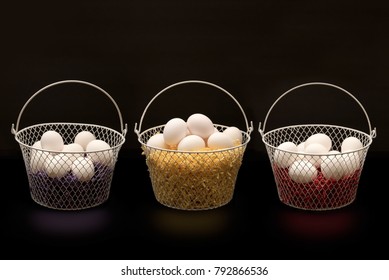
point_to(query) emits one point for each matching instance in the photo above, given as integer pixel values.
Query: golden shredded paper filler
(196, 180)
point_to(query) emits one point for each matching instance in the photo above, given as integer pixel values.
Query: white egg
(219, 140)
(38, 157)
(83, 168)
(351, 144)
(319, 138)
(284, 155)
(302, 171)
(199, 124)
(235, 134)
(175, 129)
(311, 150)
(73, 147)
(100, 151)
(57, 166)
(157, 141)
(73, 150)
(191, 143)
(350, 163)
(37, 145)
(69, 159)
(37, 162)
(332, 165)
(300, 151)
(301, 147)
(52, 141)
(83, 138)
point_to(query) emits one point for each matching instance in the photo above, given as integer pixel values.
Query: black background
(254, 49)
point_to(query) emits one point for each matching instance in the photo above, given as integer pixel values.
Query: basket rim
(370, 137)
(247, 134)
(17, 133)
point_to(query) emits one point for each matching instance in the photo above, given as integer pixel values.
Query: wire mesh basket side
(312, 181)
(193, 180)
(319, 178)
(68, 193)
(64, 179)
(53, 179)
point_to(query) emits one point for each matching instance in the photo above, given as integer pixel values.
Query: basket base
(72, 197)
(68, 207)
(200, 207)
(319, 194)
(317, 209)
(68, 193)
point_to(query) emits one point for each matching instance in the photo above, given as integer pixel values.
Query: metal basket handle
(249, 128)
(14, 129)
(373, 132)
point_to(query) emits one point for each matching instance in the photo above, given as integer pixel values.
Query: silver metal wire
(316, 181)
(56, 179)
(193, 180)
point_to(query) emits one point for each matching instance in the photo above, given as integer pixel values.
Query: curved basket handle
(123, 127)
(249, 128)
(373, 132)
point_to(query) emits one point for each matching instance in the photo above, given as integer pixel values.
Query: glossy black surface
(254, 225)
(254, 49)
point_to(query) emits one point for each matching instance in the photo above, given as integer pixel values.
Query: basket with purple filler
(193, 163)
(69, 166)
(317, 166)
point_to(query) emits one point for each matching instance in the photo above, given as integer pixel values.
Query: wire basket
(69, 180)
(189, 180)
(310, 179)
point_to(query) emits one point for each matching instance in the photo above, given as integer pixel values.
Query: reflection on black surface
(69, 223)
(321, 225)
(190, 224)
(254, 225)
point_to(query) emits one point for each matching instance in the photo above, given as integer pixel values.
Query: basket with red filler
(317, 166)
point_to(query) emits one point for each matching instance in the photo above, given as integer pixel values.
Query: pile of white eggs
(195, 134)
(305, 159)
(53, 156)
